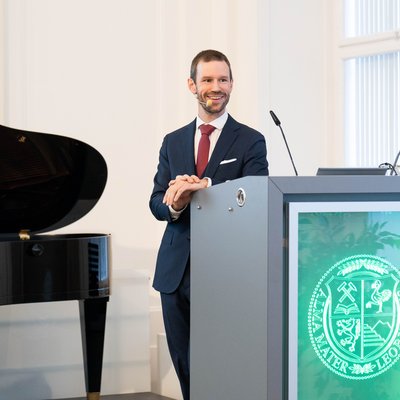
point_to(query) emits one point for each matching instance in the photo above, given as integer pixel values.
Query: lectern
(295, 289)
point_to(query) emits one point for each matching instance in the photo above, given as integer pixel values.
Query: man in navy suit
(235, 150)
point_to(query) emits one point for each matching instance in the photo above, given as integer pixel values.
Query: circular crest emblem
(353, 317)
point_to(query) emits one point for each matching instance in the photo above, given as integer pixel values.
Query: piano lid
(46, 181)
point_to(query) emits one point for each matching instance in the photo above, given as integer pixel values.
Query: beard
(214, 108)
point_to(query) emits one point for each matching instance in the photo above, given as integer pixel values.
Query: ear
(192, 86)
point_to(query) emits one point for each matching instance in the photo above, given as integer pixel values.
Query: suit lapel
(188, 148)
(227, 137)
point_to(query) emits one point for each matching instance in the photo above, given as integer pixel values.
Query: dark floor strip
(133, 396)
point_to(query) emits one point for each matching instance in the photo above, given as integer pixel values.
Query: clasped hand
(181, 189)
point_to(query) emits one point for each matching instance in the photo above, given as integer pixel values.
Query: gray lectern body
(271, 324)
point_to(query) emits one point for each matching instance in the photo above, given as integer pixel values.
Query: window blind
(372, 87)
(368, 17)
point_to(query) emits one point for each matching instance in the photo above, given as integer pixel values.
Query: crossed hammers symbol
(347, 289)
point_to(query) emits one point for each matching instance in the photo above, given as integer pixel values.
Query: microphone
(278, 124)
(206, 104)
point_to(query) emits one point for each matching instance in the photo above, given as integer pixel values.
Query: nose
(215, 85)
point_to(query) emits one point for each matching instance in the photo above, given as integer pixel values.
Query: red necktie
(204, 148)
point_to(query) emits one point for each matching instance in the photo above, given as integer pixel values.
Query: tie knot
(206, 129)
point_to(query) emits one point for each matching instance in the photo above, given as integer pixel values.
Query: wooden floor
(134, 396)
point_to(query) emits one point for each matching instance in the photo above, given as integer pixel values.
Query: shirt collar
(218, 123)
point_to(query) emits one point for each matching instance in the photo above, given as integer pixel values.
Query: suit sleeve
(161, 180)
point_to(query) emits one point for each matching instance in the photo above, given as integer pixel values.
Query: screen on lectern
(352, 171)
(344, 307)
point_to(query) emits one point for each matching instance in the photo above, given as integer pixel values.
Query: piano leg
(93, 322)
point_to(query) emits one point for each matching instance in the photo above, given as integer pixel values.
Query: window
(371, 54)
(369, 17)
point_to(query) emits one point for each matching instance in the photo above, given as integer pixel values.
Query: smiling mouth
(215, 98)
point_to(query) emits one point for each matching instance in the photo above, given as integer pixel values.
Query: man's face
(213, 87)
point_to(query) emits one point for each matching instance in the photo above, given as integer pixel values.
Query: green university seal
(353, 317)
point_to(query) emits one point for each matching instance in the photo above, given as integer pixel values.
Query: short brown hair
(207, 56)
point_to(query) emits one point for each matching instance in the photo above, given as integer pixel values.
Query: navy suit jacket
(244, 151)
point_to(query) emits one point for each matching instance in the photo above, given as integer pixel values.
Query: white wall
(298, 84)
(113, 73)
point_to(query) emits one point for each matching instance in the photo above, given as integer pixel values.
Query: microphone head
(275, 118)
(206, 104)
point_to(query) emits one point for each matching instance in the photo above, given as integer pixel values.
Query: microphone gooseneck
(278, 124)
(394, 172)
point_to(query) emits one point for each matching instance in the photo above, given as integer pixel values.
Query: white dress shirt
(219, 124)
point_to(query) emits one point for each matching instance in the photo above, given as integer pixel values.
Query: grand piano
(47, 182)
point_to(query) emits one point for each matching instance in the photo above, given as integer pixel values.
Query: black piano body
(47, 182)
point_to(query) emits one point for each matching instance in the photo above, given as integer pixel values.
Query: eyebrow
(212, 77)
